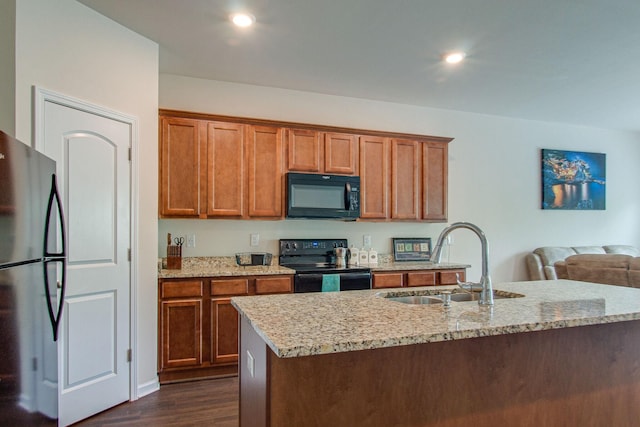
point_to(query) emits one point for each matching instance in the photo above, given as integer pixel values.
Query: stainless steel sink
(475, 296)
(438, 298)
(416, 299)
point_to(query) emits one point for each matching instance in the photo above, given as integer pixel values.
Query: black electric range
(314, 258)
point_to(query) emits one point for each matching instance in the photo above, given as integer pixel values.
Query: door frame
(40, 97)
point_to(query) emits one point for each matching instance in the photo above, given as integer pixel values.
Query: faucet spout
(486, 295)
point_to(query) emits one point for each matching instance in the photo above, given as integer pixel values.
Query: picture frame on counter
(411, 248)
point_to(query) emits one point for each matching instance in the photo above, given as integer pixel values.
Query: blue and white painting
(573, 180)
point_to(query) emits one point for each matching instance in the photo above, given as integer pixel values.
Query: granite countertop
(219, 266)
(417, 265)
(296, 325)
(226, 266)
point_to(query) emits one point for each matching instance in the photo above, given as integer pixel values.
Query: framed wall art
(411, 249)
(573, 180)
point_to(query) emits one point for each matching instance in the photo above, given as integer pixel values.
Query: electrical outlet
(366, 239)
(255, 239)
(191, 241)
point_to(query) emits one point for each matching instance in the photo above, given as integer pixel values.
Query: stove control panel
(310, 246)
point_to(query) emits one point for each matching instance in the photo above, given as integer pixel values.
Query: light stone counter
(417, 265)
(219, 266)
(319, 323)
(226, 266)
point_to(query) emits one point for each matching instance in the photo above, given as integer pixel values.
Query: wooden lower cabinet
(399, 279)
(198, 326)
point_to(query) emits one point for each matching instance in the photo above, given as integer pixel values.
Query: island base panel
(587, 376)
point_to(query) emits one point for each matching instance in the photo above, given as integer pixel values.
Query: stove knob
(295, 246)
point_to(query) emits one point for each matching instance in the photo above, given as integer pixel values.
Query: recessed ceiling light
(454, 57)
(243, 19)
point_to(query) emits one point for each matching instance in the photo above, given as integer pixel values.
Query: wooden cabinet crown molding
(301, 126)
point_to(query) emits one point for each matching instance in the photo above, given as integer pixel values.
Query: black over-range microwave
(323, 196)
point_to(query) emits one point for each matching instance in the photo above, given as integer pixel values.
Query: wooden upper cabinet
(374, 177)
(226, 180)
(224, 167)
(266, 172)
(321, 152)
(434, 181)
(340, 153)
(406, 167)
(304, 150)
(181, 151)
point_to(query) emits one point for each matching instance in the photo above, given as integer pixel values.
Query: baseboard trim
(148, 388)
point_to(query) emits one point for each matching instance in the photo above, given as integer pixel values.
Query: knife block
(174, 257)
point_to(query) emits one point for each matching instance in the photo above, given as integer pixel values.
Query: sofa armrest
(634, 272)
(535, 267)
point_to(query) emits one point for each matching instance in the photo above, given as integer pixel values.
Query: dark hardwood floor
(196, 403)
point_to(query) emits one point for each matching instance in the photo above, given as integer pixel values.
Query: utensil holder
(174, 257)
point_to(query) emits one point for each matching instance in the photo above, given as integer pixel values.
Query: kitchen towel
(330, 282)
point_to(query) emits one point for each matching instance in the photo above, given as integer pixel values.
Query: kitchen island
(564, 353)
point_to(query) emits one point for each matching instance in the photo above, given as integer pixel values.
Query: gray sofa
(548, 263)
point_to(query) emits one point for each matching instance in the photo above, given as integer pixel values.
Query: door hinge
(129, 254)
(129, 153)
(129, 355)
(34, 364)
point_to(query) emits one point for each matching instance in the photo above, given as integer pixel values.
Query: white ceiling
(573, 61)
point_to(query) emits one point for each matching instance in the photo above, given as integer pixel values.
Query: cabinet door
(451, 277)
(434, 181)
(274, 285)
(340, 153)
(224, 331)
(225, 169)
(304, 150)
(374, 177)
(405, 179)
(421, 278)
(266, 177)
(181, 151)
(181, 333)
(388, 280)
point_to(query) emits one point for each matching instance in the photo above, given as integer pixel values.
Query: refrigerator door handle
(54, 197)
(54, 317)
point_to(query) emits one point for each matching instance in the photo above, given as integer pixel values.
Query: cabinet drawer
(182, 288)
(451, 277)
(427, 278)
(387, 280)
(274, 285)
(230, 287)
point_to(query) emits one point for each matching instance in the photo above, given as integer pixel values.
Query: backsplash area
(227, 237)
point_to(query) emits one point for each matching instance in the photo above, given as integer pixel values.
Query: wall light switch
(255, 239)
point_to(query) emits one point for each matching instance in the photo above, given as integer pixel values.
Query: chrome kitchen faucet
(484, 286)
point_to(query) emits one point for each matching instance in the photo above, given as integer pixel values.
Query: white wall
(494, 176)
(65, 47)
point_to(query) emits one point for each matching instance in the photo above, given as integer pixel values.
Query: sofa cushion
(589, 250)
(609, 269)
(622, 249)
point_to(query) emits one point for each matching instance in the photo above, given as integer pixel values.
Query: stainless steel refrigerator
(32, 284)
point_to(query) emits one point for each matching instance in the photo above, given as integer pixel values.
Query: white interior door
(94, 178)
